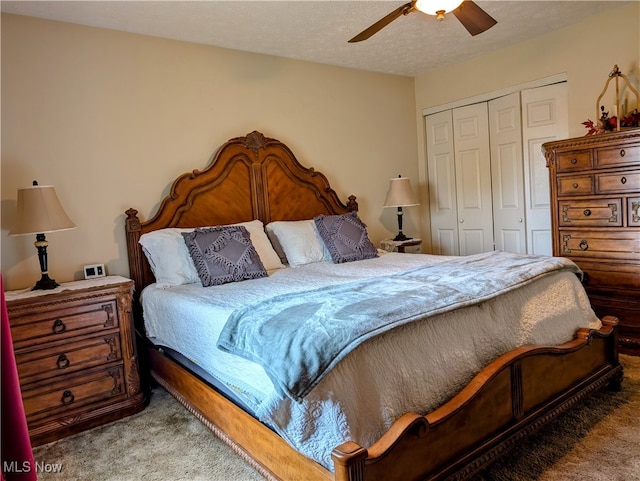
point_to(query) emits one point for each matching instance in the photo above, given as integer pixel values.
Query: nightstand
(409, 246)
(74, 348)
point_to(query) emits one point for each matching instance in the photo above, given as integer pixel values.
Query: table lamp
(38, 212)
(400, 195)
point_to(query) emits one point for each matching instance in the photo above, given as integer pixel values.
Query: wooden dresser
(74, 348)
(595, 194)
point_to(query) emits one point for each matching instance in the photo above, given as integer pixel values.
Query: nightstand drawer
(73, 392)
(65, 358)
(597, 212)
(63, 323)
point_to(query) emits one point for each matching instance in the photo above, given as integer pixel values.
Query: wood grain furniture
(508, 400)
(408, 246)
(595, 194)
(74, 348)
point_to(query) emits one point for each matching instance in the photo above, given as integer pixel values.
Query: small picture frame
(94, 270)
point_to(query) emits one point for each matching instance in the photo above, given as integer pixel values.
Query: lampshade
(433, 7)
(39, 211)
(400, 193)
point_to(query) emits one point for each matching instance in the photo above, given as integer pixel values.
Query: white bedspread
(415, 367)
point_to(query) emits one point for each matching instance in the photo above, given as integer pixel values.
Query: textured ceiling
(318, 31)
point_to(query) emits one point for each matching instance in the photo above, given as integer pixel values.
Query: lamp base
(401, 237)
(45, 283)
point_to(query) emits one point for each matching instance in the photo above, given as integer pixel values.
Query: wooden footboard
(506, 402)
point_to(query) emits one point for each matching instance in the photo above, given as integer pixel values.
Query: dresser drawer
(592, 212)
(624, 245)
(65, 395)
(615, 156)
(63, 323)
(633, 212)
(67, 357)
(614, 182)
(578, 160)
(575, 185)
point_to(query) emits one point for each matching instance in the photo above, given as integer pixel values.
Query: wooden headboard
(250, 177)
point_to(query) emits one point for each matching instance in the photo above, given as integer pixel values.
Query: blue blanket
(297, 338)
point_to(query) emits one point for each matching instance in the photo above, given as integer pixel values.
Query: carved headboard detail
(250, 177)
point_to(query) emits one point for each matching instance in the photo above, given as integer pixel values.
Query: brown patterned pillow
(345, 237)
(223, 254)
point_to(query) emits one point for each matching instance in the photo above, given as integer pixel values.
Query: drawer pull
(574, 161)
(622, 153)
(623, 180)
(587, 212)
(584, 245)
(575, 185)
(67, 397)
(63, 361)
(59, 327)
(585, 278)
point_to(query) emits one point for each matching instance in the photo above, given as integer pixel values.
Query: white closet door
(507, 175)
(442, 183)
(544, 118)
(473, 178)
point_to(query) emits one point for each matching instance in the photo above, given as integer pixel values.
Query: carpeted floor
(599, 440)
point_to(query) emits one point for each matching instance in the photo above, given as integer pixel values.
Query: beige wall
(111, 118)
(585, 52)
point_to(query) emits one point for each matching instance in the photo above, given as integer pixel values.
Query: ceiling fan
(472, 17)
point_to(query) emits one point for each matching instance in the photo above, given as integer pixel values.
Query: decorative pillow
(346, 237)
(223, 254)
(172, 265)
(298, 242)
(169, 257)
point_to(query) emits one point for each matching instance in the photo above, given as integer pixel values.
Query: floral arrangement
(609, 124)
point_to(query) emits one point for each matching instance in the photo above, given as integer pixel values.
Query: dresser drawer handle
(59, 327)
(585, 278)
(575, 185)
(623, 180)
(587, 212)
(622, 153)
(63, 361)
(584, 245)
(67, 397)
(574, 161)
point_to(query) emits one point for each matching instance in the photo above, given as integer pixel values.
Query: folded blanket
(298, 338)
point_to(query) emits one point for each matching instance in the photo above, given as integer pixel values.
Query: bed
(355, 398)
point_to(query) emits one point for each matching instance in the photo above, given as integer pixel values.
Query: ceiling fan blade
(473, 18)
(383, 22)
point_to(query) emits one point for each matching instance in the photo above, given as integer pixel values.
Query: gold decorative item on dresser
(76, 357)
(595, 194)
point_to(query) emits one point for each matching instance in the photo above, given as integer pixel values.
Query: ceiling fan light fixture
(437, 7)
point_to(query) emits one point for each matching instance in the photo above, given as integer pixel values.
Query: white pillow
(299, 241)
(172, 265)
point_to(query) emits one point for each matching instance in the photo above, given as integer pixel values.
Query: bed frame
(255, 177)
